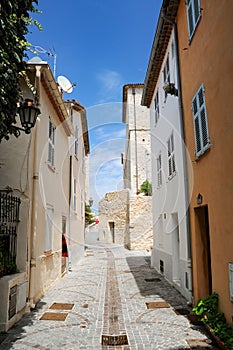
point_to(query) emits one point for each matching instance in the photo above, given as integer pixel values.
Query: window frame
(200, 122)
(49, 213)
(171, 156)
(76, 142)
(191, 14)
(159, 170)
(156, 106)
(75, 196)
(166, 71)
(51, 143)
(230, 267)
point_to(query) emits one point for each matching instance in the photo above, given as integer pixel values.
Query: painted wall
(207, 59)
(77, 217)
(170, 250)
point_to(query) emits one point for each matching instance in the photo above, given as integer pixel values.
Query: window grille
(9, 218)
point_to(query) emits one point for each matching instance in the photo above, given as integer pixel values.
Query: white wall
(169, 203)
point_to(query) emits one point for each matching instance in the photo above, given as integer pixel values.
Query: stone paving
(137, 286)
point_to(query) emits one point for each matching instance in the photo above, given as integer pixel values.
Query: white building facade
(78, 192)
(37, 169)
(171, 244)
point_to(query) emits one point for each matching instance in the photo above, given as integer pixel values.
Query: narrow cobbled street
(111, 299)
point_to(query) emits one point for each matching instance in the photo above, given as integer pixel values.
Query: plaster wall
(207, 59)
(169, 198)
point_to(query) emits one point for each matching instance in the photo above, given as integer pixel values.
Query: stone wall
(131, 218)
(140, 227)
(114, 217)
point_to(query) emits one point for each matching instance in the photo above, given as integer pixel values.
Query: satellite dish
(35, 59)
(65, 84)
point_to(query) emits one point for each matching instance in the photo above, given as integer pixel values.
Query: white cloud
(111, 85)
(105, 169)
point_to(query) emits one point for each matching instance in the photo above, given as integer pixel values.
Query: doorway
(112, 230)
(203, 252)
(63, 259)
(175, 249)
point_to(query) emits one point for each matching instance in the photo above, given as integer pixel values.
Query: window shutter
(197, 135)
(200, 122)
(190, 19)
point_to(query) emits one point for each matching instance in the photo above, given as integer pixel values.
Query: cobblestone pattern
(146, 329)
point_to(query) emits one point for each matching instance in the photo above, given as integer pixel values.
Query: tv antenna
(51, 52)
(65, 84)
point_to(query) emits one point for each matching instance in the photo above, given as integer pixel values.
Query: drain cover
(181, 311)
(155, 279)
(61, 306)
(114, 339)
(199, 343)
(157, 305)
(54, 316)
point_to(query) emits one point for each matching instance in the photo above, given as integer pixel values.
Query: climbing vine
(14, 25)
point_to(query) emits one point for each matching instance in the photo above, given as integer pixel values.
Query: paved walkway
(112, 299)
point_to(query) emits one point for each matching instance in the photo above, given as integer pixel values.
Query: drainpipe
(34, 200)
(135, 139)
(70, 210)
(181, 115)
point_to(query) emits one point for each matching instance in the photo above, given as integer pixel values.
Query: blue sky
(101, 45)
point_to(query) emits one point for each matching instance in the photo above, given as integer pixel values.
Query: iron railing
(9, 218)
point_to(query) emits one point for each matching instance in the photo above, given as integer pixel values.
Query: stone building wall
(114, 217)
(140, 236)
(131, 218)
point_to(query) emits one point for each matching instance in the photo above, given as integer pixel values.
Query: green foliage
(146, 188)
(207, 309)
(89, 216)
(14, 22)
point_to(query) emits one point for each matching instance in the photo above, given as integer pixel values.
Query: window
(76, 142)
(83, 159)
(156, 107)
(75, 195)
(171, 156)
(52, 129)
(63, 224)
(159, 170)
(173, 49)
(200, 122)
(166, 71)
(49, 229)
(231, 280)
(193, 13)
(83, 204)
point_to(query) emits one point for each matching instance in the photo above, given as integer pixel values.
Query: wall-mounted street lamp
(28, 114)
